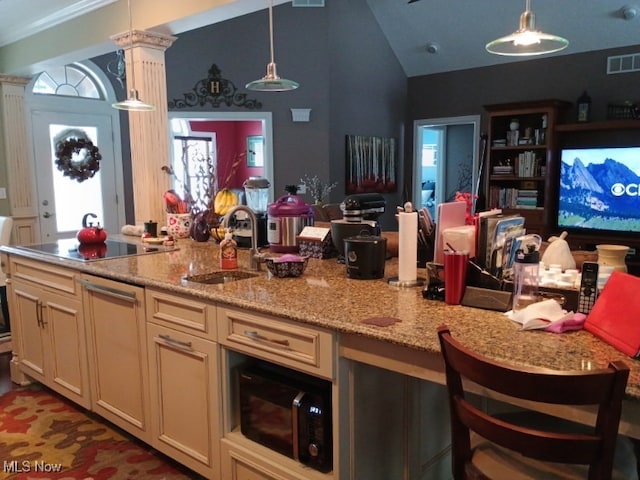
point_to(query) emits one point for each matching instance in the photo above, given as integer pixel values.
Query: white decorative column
(18, 159)
(149, 131)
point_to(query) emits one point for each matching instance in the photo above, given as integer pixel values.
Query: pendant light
(527, 40)
(271, 82)
(133, 102)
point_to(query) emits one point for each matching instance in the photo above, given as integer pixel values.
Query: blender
(257, 192)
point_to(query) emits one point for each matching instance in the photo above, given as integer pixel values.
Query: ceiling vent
(307, 3)
(623, 63)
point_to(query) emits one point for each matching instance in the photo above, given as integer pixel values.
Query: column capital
(144, 38)
(14, 80)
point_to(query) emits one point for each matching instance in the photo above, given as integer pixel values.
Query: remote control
(588, 287)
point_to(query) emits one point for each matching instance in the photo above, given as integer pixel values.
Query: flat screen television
(600, 190)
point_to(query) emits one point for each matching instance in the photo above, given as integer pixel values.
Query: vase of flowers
(318, 190)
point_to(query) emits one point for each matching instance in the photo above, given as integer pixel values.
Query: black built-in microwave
(289, 412)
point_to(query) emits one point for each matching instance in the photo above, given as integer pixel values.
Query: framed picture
(371, 164)
(255, 151)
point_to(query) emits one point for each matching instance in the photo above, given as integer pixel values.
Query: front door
(64, 199)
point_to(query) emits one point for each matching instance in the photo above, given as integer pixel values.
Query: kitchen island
(370, 332)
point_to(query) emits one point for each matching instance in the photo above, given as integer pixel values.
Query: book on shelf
(504, 197)
(528, 164)
(503, 170)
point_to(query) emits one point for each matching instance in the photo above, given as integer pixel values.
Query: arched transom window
(70, 80)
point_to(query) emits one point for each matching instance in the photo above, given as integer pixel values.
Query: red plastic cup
(455, 276)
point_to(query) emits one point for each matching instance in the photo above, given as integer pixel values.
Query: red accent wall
(231, 139)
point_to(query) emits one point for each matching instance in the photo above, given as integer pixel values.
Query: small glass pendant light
(271, 82)
(527, 40)
(133, 102)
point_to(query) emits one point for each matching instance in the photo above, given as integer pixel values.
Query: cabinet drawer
(182, 313)
(277, 340)
(44, 274)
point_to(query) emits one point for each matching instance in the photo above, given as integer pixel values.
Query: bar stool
(486, 446)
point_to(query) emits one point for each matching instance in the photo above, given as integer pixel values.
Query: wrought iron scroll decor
(215, 91)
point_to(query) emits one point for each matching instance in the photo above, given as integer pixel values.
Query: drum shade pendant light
(133, 102)
(271, 82)
(527, 40)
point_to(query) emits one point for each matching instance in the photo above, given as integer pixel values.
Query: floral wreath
(86, 162)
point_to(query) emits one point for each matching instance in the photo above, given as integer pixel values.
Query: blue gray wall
(347, 72)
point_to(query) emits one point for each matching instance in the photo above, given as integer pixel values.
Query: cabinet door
(118, 353)
(29, 335)
(67, 361)
(51, 337)
(183, 371)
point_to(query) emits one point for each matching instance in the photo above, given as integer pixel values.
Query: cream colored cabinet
(48, 323)
(245, 335)
(184, 380)
(244, 460)
(117, 348)
(287, 343)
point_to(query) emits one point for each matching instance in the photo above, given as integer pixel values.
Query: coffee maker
(360, 213)
(256, 190)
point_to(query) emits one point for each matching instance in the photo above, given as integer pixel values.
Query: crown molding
(72, 10)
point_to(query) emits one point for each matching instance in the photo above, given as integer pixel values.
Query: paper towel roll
(407, 246)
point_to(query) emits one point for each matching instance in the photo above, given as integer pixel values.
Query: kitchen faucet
(256, 258)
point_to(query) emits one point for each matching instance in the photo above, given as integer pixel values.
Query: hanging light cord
(133, 73)
(271, 28)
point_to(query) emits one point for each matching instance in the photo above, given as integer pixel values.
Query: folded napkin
(541, 315)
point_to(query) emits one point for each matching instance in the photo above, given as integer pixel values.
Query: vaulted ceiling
(427, 36)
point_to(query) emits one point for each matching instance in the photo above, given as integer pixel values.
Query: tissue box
(316, 242)
(461, 238)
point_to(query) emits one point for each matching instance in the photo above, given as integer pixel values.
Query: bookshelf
(521, 165)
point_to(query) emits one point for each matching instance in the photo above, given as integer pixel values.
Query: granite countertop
(324, 297)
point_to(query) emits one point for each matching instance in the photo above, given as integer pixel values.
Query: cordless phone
(588, 287)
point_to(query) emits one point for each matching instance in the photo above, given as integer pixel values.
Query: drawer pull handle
(114, 292)
(173, 341)
(256, 336)
(39, 313)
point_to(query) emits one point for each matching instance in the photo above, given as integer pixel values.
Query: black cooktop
(70, 248)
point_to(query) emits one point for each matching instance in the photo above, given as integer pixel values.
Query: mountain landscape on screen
(602, 196)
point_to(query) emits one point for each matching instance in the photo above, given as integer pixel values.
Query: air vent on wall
(307, 3)
(623, 63)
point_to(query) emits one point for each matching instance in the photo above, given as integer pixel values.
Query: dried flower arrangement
(318, 190)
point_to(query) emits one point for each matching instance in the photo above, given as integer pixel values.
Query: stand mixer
(360, 213)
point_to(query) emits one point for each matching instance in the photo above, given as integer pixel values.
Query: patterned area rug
(43, 436)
